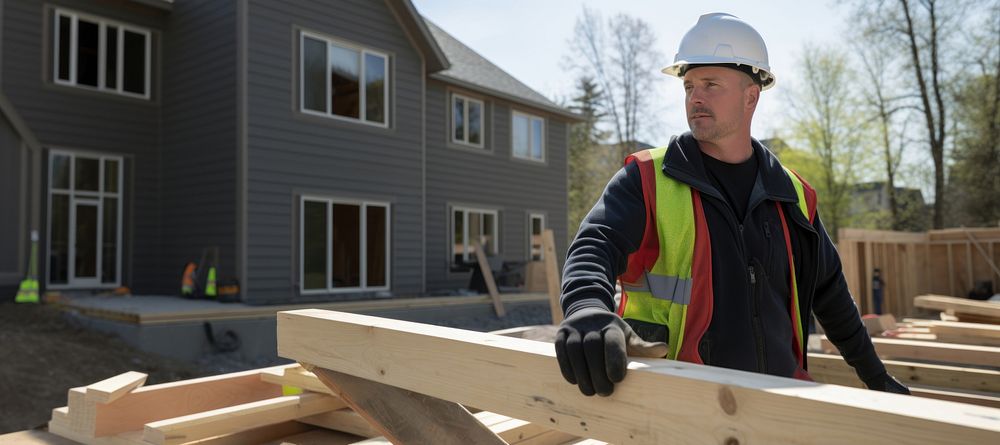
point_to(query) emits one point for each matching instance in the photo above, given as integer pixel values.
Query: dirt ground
(43, 354)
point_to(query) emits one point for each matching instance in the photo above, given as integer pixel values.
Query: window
(85, 220)
(528, 136)
(536, 224)
(472, 227)
(344, 246)
(343, 81)
(93, 52)
(466, 120)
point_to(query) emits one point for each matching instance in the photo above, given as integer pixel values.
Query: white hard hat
(721, 38)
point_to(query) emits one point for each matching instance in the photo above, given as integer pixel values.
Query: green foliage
(590, 160)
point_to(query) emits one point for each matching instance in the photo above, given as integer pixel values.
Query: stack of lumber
(660, 401)
(240, 408)
(937, 359)
(963, 308)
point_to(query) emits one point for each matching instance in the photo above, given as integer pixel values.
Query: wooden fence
(944, 262)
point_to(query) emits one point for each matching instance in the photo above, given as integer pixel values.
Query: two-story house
(329, 149)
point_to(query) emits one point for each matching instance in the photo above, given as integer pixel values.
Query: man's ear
(751, 95)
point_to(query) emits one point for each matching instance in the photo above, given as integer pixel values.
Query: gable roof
(414, 25)
(471, 70)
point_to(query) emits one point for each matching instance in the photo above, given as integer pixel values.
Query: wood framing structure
(946, 262)
(660, 401)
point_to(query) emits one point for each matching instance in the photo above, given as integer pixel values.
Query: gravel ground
(43, 353)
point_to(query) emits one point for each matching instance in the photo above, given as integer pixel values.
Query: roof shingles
(468, 67)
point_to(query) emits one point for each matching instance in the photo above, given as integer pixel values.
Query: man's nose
(695, 96)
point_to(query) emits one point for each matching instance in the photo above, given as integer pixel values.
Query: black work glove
(886, 383)
(593, 346)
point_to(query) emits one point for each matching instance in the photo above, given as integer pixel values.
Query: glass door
(86, 238)
(85, 217)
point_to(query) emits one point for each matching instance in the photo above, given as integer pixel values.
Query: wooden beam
(955, 305)
(952, 395)
(157, 402)
(951, 273)
(407, 417)
(929, 350)
(237, 418)
(491, 286)
(909, 373)
(552, 275)
(109, 390)
(982, 252)
(521, 378)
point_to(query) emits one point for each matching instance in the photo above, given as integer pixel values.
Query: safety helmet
(723, 39)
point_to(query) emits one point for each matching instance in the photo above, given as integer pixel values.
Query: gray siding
(290, 153)
(198, 158)
(76, 119)
(490, 178)
(14, 216)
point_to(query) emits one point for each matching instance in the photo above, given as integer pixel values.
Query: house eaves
(166, 5)
(473, 71)
(414, 24)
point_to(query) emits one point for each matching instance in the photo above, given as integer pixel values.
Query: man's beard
(712, 133)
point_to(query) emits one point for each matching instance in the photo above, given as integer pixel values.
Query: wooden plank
(521, 378)
(869, 265)
(958, 305)
(109, 390)
(552, 279)
(911, 373)
(345, 420)
(407, 417)
(491, 285)
(987, 257)
(157, 402)
(970, 397)
(951, 273)
(929, 350)
(237, 418)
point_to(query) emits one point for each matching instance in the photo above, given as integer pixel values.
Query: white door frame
(79, 198)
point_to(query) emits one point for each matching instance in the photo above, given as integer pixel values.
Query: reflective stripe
(670, 288)
(663, 287)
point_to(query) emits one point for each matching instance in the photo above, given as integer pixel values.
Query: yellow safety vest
(668, 280)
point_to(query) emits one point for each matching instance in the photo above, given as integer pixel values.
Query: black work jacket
(751, 325)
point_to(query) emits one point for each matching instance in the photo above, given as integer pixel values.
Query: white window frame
(85, 196)
(531, 127)
(465, 119)
(362, 245)
(465, 232)
(363, 93)
(102, 23)
(531, 220)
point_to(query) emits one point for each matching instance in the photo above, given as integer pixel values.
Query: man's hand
(593, 346)
(886, 383)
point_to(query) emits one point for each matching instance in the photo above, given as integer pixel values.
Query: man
(720, 251)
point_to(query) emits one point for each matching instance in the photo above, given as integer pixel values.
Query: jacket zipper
(758, 326)
(754, 294)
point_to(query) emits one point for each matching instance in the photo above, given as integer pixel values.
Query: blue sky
(529, 39)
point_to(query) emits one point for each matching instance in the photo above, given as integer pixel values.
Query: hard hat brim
(675, 69)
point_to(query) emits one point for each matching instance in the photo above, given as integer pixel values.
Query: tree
(920, 31)
(824, 121)
(624, 64)
(975, 183)
(588, 166)
(884, 102)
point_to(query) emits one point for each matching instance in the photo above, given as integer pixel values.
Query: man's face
(719, 101)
